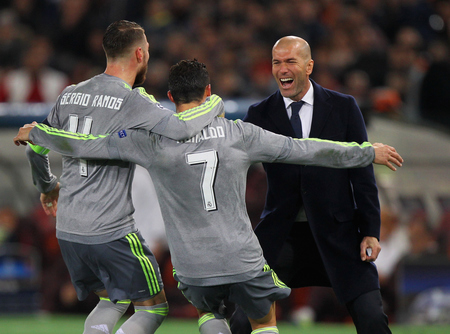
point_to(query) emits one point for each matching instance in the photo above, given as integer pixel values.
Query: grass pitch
(73, 324)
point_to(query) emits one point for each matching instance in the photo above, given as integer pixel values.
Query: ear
(139, 53)
(169, 95)
(208, 90)
(309, 67)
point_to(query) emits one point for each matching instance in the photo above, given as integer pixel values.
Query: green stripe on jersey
(144, 93)
(39, 149)
(346, 144)
(200, 110)
(66, 134)
(146, 264)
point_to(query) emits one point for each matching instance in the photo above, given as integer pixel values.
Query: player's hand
(22, 136)
(387, 155)
(370, 248)
(49, 201)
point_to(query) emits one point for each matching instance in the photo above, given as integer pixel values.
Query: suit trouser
(366, 311)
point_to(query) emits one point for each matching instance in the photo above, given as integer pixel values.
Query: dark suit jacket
(341, 204)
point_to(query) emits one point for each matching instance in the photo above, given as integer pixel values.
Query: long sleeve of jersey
(41, 174)
(265, 146)
(260, 145)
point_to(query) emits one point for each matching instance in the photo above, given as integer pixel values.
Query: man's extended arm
(266, 146)
(67, 143)
(262, 145)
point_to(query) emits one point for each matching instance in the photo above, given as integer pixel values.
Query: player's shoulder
(69, 88)
(101, 82)
(227, 125)
(140, 91)
(140, 94)
(108, 83)
(237, 127)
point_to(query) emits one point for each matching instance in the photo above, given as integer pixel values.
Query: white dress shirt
(306, 114)
(306, 111)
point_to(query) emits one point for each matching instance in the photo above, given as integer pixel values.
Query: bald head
(292, 66)
(296, 44)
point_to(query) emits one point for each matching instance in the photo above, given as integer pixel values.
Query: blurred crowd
(393, 56)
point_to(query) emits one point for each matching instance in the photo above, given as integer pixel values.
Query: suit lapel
(321, 111)
(279, 118)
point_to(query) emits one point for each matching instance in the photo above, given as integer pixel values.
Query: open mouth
(286, 82)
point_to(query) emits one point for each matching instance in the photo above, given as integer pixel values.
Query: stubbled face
(291, 69)
(142, 73)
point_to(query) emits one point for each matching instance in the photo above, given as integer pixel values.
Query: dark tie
(295, 118)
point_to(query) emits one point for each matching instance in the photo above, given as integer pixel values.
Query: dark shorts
(126, 268)
(254, 296)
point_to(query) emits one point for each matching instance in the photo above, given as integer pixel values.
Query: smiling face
(291, 66)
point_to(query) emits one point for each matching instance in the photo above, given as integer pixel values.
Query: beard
(141, 75)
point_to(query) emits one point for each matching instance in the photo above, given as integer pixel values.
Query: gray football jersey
(201, 186)
(94, 203)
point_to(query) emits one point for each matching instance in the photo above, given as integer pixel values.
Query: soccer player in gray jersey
(201, 188)
(94, 207)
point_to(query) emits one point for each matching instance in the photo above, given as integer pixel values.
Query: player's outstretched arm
(387, 155)
(265, 146)
(122, 145)
(63, 142)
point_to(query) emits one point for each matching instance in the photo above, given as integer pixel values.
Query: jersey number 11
(73, 127)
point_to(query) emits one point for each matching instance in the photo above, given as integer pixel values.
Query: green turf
(73, 324)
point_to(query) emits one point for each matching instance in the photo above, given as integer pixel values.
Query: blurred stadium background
(391, 55)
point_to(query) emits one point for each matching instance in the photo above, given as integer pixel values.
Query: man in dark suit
(320, 226)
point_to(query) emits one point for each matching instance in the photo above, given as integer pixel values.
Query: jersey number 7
(210, 161)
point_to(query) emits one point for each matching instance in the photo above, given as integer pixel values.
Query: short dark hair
(188, 80)
(120, 36)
